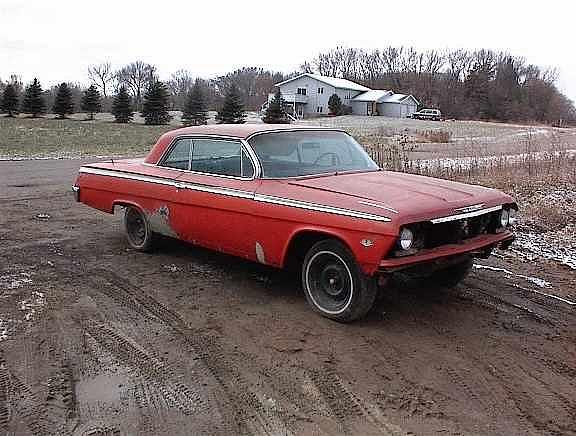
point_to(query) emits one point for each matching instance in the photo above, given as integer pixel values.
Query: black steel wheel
(334, 284)
(138, 232)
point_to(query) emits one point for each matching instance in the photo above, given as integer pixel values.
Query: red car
(305, 198)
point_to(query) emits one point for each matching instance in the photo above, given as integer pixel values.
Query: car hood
(405, 194)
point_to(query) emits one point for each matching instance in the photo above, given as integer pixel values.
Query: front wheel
(334, 284)
(138, 232)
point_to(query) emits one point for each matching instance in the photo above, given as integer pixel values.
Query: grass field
(51, 138)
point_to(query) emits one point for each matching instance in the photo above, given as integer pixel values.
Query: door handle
(180, 186)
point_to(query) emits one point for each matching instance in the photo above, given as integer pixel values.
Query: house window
(319, 109)
(301, 91)
(320, 90)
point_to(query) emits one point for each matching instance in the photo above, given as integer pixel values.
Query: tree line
(154, 106)
(478, 84)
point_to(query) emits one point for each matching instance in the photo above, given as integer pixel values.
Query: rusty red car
(307, 198)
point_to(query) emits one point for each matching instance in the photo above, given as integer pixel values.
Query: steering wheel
(335, 158)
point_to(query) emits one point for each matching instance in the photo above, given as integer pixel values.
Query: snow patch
(32, 305)
(3, 330)
(556, 246)
(535, 280)
(556, 297)
(468, 162)
(15, 281)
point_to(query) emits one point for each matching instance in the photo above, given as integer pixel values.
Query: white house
(307, 95)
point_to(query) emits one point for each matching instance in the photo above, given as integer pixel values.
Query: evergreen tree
(10, 100)
(91, 101)
(195, 112)
(275, 113)
(33, 102)
(335, 104)
(155, 107)
(122, 106)
(232, 111)
(63, 104)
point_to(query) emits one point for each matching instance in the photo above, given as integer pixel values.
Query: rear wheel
(334, 284)
(138, 232)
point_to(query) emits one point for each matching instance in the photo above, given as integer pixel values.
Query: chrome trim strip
(124, 175)
(472, 208)
(236, 193)
(369, 203)
(179, 185)
(318, 207)
(465, 215)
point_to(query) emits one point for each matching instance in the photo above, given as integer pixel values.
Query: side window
(221, 157)
(179, 156)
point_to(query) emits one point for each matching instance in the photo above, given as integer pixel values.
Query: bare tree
(136, 77)
(102, 76)
(180, 85)
(306, 67)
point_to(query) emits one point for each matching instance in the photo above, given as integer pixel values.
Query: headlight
(406, 239)
(512, 216)
(504, 218)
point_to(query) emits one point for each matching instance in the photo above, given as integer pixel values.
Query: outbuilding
(385, 103)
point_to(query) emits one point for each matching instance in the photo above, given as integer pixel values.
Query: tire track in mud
(526, 404)
(150, 369)
(50, 406)
(4, 396)
(346, 407)
(543, 310)
(248, 412)
(492, 368)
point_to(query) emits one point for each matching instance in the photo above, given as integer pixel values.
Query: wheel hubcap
(329, 282)
(136, 227)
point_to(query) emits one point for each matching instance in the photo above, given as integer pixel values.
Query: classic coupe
(308, 198)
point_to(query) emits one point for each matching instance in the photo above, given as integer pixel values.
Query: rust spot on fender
(260, 253)
(159, 220)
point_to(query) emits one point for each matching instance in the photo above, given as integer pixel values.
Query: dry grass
(434, 136)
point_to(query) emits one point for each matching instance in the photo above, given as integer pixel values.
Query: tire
(334, 284)
(450, 277)
(138, 232)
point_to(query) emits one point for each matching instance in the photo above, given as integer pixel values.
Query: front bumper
(477, 246)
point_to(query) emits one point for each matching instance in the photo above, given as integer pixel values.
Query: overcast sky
(57, 40)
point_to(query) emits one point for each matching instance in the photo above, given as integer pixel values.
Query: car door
(215, 201)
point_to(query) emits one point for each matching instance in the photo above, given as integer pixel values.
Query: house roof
(332, 81)
(398, 98)
(373, 95)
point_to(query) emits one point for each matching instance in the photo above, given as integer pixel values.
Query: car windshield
(304, 153)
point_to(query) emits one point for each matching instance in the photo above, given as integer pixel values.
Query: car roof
(241, 131)
(238, 131)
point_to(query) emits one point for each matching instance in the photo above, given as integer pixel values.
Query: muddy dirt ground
(96, 339)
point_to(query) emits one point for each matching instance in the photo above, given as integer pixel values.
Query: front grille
(428, 235)
(458, 231)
